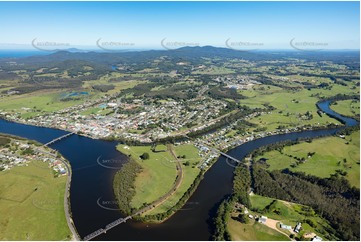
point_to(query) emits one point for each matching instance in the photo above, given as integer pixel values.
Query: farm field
(46, 101)
(349, 108)
(291, 106)
(253, 232)
(32, 204)
(35, 103)
(331, 154)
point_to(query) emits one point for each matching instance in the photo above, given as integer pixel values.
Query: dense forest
(220, 232)
(123, 186)
(240, 194)
(333, 198)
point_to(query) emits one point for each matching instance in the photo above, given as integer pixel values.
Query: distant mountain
(194, 55)
(72, 50)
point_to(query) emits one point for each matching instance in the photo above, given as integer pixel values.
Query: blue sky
(144, 24)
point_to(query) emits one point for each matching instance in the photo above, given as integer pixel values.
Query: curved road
(171, 191)
(68, 217)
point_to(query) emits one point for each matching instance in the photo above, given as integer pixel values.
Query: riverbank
(192, 218)
(347, 108)
(151, 204)
(322, 157)
(165, 176)
(307, 189)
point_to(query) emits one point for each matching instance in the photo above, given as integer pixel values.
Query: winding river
(94, 163)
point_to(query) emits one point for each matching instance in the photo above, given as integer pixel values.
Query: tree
(144, 156)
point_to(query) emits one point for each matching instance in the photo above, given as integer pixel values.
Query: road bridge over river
(59, 138)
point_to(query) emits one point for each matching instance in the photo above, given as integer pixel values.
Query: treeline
(276, 146)
(221, 93)
(176, 92)
(8, 76)
(339, 97)
(127, 141)
(103, 87)
(332, 198)
(221, 232)
(268, 81)
(348, 130)
(34, 83)
(240, 194)
(123, 185)
(172, 139)
(242, 184)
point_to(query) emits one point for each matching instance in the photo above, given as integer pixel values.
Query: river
(94, 163)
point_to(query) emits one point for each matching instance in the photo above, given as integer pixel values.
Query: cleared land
(159, 174)
(253, 232)
(29, 105)
(349, 108)
(289, 214)
(45, 101)
(331, 154)
(190, 172)
(32, 204)
(277, 212)
(291, 106)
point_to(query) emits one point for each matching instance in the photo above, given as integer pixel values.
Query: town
(14, 152)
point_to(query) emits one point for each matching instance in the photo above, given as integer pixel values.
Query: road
(172, 190)
(68, 217)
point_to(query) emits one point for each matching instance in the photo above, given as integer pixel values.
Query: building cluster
(263, 220)
(137, 120)
(239, 82)
(207, 155)
(20, 153)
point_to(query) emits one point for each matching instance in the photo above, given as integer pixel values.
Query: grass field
(329, 151)
(347, 107)
(289, 214)
(253, 232)
(189, 174)
(32, 204)
(121, 85)
(157, 177)
(290, 105)
(46, 101)
(159, 174)
(32, 104)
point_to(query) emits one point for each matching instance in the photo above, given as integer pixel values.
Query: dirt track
(271, 223)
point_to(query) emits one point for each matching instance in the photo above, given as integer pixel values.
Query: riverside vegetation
(329, 197)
